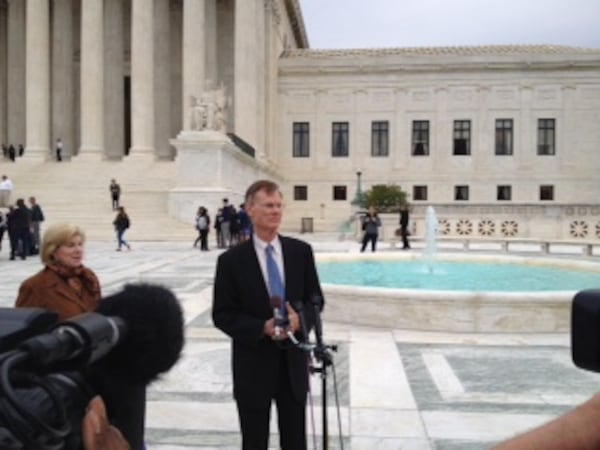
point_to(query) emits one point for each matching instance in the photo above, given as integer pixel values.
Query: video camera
(585, 330)
(44, 390)
(50, 371)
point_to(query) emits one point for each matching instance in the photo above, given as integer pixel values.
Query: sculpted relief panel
(505, 97)
(380, 100)
(340, 101)
(420, 99)
(547, 97)
(463, 97)
(301, 101)
(588, 97)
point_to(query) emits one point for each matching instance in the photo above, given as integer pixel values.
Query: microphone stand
(322, 354)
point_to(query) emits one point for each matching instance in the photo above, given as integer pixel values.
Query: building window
(504, 137)
(301, 134)
(462, 137)
(547, 192)
(504, 193)
(461, 193)
(380, 138)
(339, 192)
(300, 193)
(546, 137)
(339, 139)
(420, 138)
(419, 192)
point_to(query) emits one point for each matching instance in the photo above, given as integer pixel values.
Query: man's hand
(98, 433)
(294, 325)
(293, 318)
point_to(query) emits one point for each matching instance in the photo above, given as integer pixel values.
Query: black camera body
(42, 405)
(585, 330)
(49, 371)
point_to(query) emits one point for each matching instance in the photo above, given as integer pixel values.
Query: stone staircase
(76, 191)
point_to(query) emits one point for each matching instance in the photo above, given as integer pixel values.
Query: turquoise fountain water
(512, 275)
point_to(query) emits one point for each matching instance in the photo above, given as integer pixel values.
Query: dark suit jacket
(241, 305)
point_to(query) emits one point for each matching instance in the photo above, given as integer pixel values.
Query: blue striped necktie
(276, 287)
(275, 283)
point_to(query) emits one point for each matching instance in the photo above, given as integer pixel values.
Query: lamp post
(358, 197)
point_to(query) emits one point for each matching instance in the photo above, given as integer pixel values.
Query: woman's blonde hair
(57, 235)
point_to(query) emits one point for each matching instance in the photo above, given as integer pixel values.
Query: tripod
(322, 359)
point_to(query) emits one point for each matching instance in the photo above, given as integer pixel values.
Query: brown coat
(48, 290)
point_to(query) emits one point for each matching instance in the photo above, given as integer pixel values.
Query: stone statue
(209, 112)
(222, 103)
(197, 114)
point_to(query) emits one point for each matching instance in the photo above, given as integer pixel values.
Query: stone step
(77, 192)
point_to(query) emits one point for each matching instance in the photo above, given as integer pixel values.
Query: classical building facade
(116, 77)
(501, 140)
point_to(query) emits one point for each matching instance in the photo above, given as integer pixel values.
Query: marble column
(245, 71)
(162, 80)
(142, 78)
(92, 78)
(3, 37)
(114, 85)
(63, 101)
(273, 48)
(211, 40)
(176, 65)
(15, 90)
(262, 76)
(194, 55)
(37, 91)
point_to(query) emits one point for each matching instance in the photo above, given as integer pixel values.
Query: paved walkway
(397, 389)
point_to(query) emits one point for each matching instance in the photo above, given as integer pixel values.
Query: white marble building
(502, 140)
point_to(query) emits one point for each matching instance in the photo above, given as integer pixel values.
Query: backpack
(202, 223)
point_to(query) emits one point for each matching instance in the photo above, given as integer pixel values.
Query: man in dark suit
(266, 365)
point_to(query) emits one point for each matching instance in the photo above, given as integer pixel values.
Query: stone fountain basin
(451, 311)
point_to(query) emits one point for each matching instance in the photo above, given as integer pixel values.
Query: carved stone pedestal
(209, 168)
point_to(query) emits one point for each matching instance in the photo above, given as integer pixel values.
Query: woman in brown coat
(64, 285)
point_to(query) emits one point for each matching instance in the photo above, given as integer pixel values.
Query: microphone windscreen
(155, 332)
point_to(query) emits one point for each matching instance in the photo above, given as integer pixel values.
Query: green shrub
(386, 198)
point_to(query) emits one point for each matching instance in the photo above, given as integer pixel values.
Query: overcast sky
(418, 23)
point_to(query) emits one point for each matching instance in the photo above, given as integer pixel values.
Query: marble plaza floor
(397, 389)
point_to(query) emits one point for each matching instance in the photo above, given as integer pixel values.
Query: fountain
(415, 300)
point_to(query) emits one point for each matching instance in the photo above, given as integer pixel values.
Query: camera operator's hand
(98, 433)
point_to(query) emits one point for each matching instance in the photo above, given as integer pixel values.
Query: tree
(387, 198)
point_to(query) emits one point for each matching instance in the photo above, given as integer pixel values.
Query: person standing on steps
(203, 227)
(37, 217)
(121, 224)
(59, 149)
(6, 187)
(115, 194)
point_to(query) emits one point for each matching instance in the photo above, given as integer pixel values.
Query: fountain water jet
(431, 226)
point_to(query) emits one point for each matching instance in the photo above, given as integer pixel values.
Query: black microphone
(299, 307)
(317, 303)
(281, 321)
(81, 340)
